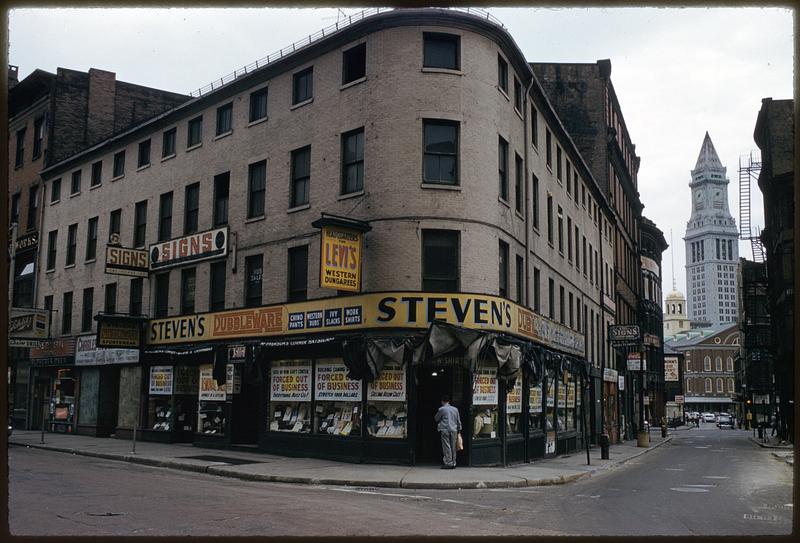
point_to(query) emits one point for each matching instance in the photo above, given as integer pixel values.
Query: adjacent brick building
(428, 129)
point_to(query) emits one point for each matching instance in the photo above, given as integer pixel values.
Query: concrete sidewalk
(266, 467)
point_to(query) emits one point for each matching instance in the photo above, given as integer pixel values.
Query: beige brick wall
(391, 105)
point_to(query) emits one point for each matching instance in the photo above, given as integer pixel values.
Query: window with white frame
(708, 385)
(707, 363)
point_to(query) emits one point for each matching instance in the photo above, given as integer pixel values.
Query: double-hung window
(144, 154)
(221, 192)
(119, 164)
(440, 261)
(256, 189)
(97, 174)
(191, 208)
(301, 176)
(165, 216)
(303, 85)
(224, 119)
(258, 104)
(353, 161)
(194, 134)
(502, 166)
(441, 51)
(440, 162)
(354, 63)
(168, 143)
(502, 74)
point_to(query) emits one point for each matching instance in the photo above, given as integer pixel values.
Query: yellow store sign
(340, 259)
(377, 310)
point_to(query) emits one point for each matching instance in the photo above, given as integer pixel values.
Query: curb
(767, 446)
(224, 471)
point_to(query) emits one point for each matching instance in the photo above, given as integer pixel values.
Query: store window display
(387, 410)
(290, 396)
(484, 402)
(514, 421)
(535, 413)
(561, 403)
(570, 404)
(62, 403)
(550, 402)
(337, 399)
(211, 409)
(159, 402)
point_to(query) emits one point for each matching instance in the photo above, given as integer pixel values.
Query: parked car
(708, 417)
(725, 421)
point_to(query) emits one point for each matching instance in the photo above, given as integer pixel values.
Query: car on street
(708, 417)
(725, 421)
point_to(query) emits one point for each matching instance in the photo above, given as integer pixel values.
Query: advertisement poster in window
(551, 393)
(186, 379)
(209, 391)
(571, 395)
(514, 398)
(390, 386)
(233, 380)
(160, 380)
(332, 383)
(536, 399)
(291, 383)
(562, 395)
(484, 387)
(671, 369)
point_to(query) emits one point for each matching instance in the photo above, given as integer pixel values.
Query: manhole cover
(222, 459)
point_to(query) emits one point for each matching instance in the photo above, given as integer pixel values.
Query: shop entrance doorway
(40, 402)
(244, 419)
(432, 383)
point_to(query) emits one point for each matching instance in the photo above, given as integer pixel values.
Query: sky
(677, 72)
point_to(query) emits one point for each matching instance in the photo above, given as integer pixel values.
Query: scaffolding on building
(749, 169)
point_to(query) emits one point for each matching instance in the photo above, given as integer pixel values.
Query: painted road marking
(682, 489)
(674, 469)
(715, 477)
(703, 447)
(701, 486)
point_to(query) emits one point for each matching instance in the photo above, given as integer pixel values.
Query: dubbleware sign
(189, 249)
(376, 310)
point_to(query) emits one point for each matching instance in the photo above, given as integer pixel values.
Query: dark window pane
(221, 188)
(162, 295)
(301, 176)
(353, 161)
(254, 271)
(302, 88)
(66, 313)
(224, 118)
(110, 305)
(140, 224)
(440, 160)
(441, 51)
(168, 143)
(187, 290)
(191, 208)
(72, 241)
(55, 190)
(88, 309)
(354, 63)
(91, 239)
(258, 105)
(195, 132)
(257, 183)
(119, 164)
(135, 302)
(144, 153)
(440, 261)
(165, 216)
(217, 292)
(298, 273)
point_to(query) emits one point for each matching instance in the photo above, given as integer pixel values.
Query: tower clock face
(697, 195)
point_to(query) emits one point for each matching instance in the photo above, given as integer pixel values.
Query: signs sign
(113, 333)
(160, 380)
(389, 386)
(87, 353)
(671, 369)
(340, 258)
(123, 261)
(191, 248)
(377, 310)
(292, 383)
(26, 327)
(54, 352)
(27, 242)
(332, 383)
(623, 334)
(484, 386)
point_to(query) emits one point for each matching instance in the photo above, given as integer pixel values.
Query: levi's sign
(191, 248)
(340, 259)
(376, 310)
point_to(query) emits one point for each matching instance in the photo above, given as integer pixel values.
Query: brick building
(423, 137)
(584, 98)
(52, 116)
(774, 135)
(709, 372)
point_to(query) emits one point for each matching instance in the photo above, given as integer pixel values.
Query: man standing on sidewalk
(449, 424)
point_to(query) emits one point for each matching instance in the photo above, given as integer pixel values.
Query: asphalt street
(704, 482)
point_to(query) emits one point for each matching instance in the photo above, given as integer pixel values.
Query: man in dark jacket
(449, 424)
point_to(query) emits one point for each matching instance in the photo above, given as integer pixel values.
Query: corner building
(424, 134)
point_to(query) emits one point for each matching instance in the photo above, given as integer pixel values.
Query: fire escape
(749, 168)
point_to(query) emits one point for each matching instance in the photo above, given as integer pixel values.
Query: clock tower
(712, 251)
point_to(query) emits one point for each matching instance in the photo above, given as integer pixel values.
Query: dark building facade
(774, 135)
(584, 97)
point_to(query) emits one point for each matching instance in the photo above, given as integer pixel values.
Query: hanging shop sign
(514, 398)
(54, 352)
(535, 401)
(118, 333)
(390, 386)
(377, 310)
(292, 383)
(28, 242)
(633, 362)
(623, 334)
(610, 375)
(332, 383)
(621, 383)
(484, 386)
(562, 395)
(678, 399)
(161, 380)
(671, 369)
(571, 395)
(124, 261)
(237, 353)
(27, 327)
(87, 353)
(340, 258)
(209, 390)
(652, 340)
(189, 249)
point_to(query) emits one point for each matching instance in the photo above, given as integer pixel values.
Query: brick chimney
(100, 118)
(13, 76)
